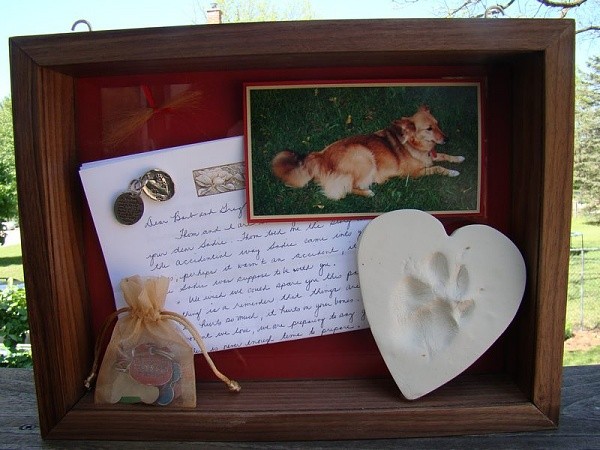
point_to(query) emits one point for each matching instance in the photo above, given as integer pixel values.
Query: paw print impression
(432, 302)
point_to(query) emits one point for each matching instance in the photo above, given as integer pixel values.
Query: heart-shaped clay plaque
(435, 303)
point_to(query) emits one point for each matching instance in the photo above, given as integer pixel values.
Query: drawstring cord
(233, 385)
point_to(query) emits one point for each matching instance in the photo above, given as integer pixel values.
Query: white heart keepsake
(435, 303)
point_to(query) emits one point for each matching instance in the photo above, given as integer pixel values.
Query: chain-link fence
(583, 301)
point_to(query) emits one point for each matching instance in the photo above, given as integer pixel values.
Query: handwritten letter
(241, 284)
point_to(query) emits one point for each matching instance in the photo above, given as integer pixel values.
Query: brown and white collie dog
(351, 165)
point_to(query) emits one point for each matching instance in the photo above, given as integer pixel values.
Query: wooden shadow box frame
(539, 55)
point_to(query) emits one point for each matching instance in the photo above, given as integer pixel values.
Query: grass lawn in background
(582, 357)
(583, 347)
(591, 276)
(590, 230)
(11, 262)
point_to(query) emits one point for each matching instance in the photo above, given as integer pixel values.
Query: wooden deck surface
(579, 424)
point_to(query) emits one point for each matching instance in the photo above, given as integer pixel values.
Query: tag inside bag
(148, 359)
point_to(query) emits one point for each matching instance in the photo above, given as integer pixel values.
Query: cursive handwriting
(252, 284)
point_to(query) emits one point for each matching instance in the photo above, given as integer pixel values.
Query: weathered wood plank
(579, 424)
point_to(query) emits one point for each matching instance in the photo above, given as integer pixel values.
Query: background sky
(30, 17)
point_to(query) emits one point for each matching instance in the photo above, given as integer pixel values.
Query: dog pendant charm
(153, 375)
(129, 206)
(158, 185)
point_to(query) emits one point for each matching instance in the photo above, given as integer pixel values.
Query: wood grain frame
(539, 55)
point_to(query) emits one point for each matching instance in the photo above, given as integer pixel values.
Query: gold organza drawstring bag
(148, 359)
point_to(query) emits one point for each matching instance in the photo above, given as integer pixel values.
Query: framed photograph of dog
(332, 150)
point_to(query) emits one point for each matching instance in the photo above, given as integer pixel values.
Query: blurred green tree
(587, 138)
(8, 183)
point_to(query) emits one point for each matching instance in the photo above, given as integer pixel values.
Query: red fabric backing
(220, 114)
